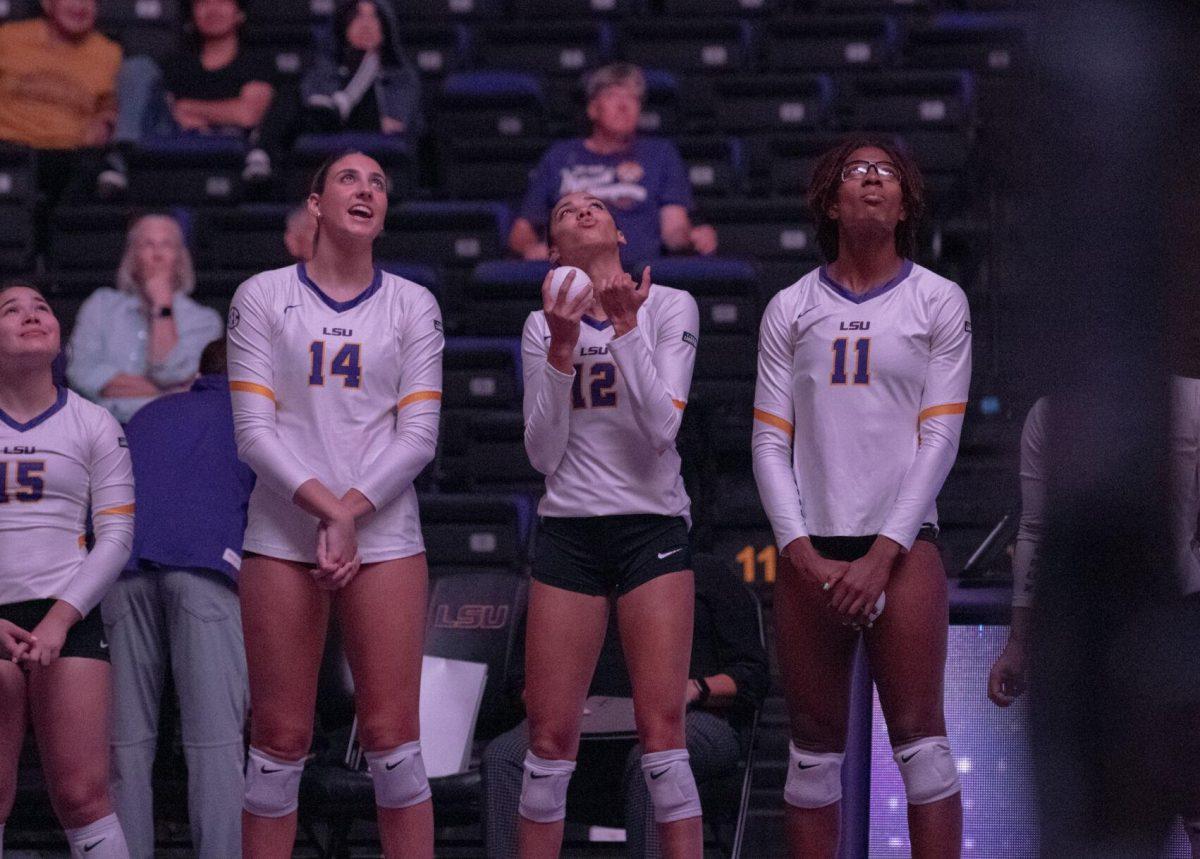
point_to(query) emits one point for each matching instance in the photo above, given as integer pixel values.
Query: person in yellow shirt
(58, 79)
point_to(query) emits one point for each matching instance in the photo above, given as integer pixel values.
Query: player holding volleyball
(864, 366)
(335, 371)
(61, 457)
(607, 374)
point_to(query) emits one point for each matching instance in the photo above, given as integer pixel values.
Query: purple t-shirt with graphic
(634, 185)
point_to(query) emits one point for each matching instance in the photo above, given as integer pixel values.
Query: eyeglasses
(860, 169)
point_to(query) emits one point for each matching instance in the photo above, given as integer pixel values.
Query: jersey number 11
(862, 350)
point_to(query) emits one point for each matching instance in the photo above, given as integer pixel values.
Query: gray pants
(711, 743)
(192, 618)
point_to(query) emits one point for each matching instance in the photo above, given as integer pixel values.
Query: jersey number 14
(347, 363)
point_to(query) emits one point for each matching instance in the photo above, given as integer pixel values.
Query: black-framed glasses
(859, 170)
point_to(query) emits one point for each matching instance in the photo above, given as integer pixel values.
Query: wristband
(704, 690)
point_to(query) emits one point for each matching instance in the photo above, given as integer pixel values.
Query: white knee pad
(928, 770)
(672, 785)
(272, 785)
(399, 776)
(814, 779)
(544, 789)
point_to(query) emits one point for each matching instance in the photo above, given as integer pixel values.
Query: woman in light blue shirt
(144, 338)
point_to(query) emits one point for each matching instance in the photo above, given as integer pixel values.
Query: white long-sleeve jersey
(604, 435)
(1031, 527)
(859, 404)
(348, 393)
(53, 469)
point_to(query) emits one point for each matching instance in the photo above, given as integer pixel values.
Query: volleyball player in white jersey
(606, 381)
(60, 457)
(864, 366)
(335, 372)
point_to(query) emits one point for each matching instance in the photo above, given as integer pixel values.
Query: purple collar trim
(596, 323)
(59, 402)
(341, 306)
(905, 271)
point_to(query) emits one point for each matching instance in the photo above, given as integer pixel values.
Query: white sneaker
(258, 166)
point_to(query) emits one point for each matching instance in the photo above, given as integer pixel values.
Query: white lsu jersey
(348, 393)
(53, 469)
(1031, 527)
(873, 389)
(604, 436)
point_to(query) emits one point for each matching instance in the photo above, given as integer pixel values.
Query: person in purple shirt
(642, 180)
(176, 604)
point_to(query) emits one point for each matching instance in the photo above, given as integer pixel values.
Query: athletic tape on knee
(399, 776)
(672, 786)
(544, 789)
(100, 839)
(272, 785)
(814, 779)
(928, 770)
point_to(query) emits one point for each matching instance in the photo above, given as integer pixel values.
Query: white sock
(100, 839)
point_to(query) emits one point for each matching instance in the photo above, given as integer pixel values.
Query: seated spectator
(730, 678)
(144, 338)
(213, 86)
(176, 604)
(58, 78)
(641, 179)
(368, 84)
(300, 234)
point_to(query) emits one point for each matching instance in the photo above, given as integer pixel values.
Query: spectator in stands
(642, 180)
(368, 83)
(300, 234)
(213, 86)
(729, 680)
(58, 78)
(177, 602)
(144, 338)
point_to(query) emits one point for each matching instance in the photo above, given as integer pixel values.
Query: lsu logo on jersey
(855, 325)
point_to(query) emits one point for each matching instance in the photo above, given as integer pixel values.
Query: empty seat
(500, 295)
(727, 356)
(393, 152)
(550, 9)
(449, 10)
(726, 8)
(910, 100)
(773, 102)
(687, 45)
(248, 237)
(484, 450)
(899, 6)
(155, 40)
(15, 10)
(436, 49)
(293, 12)
(18, 197)
(832, 43)
(481, 372)
(543, 47)
(187, 169)
(425, 275)
(786, 160)
(490, 104)
(988, 44)
(121, 13)
(762, 229)
(476, 531)
(88, 238)
(446, 234)
(714, 163)
(489, 169)
(726, 291)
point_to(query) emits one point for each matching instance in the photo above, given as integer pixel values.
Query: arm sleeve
(198, 326)
(658, 382)
(676, 186)
(543, 187)
(418, 409)
(739, 645)
(251, 386)
(111, 471)
(939, 423)
(774, 422)
(1032, 524)
(89, 368)
(547, 401)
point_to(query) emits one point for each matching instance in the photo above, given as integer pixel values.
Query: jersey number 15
(28, 478)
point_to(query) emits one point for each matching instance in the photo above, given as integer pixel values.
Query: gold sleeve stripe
(418, 397)
(82, 541)
(771, 420)
(680, 404)
(252, 388)
(123, 510)
(945, 409)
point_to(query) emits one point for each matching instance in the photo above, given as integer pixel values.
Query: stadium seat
(272, 12)
(488, 169)
(705, 275)
(88, 238)
(244, 238)
(549, 9)
(426, 275)
(187, 169)
(684, 9)
(481, 372)
(477, 532)
(765, 103)
(914, 100)
(784, 163)
(500, 295)
(450, 10)
(831, 43)
(452, 235)
(393, 152)
(727, 356)
(489, 104)
(716, 46)
(121, 13)
(289, 43)
(155, 40)
(485, 451)
(15, 10)
(436, 49)
(543, 47)
(761, 229)
(915, 7)
(714, 163)
(986, 44)
(18, 197)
